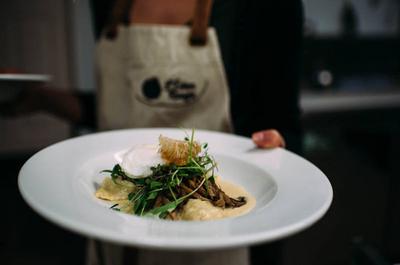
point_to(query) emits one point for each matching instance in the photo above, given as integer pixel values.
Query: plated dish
(173, 180)
(60, 181)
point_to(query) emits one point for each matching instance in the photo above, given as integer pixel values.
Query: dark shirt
(260, 44)
(261, 47)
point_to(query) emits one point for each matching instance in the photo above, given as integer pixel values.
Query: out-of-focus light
(325, 78)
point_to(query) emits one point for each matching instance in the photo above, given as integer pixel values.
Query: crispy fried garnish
(176, 151)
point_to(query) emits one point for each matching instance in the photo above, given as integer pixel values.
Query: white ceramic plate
(59, 183)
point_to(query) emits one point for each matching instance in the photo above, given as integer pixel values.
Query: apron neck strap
(198, 33)
(119, 13)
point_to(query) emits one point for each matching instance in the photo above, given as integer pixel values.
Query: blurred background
(350, 100)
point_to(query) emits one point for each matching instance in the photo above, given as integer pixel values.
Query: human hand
(61, 103)
(29, 100)
(268, 139)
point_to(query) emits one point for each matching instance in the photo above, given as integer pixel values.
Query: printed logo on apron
(173, 91)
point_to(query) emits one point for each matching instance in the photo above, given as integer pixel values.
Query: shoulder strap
(198, 34)
(119, 13)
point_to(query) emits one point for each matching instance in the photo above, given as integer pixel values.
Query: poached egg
(137, 161)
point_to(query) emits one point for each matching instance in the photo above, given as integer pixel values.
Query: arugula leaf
(116, 172)
(166, 208)
(191, 146)
(152, 195)
(113, 207)
(155, 184)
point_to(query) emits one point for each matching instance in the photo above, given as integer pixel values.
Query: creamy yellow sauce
(194, 209)
(114, 191)
(199, 210)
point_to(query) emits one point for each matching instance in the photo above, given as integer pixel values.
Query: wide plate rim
(183, 244)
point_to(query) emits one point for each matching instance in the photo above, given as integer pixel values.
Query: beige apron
(150, 76)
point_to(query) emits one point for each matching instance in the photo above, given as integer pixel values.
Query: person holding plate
(159, 64)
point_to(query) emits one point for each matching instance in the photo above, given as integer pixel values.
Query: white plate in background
(25, 77)
(12, 84)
